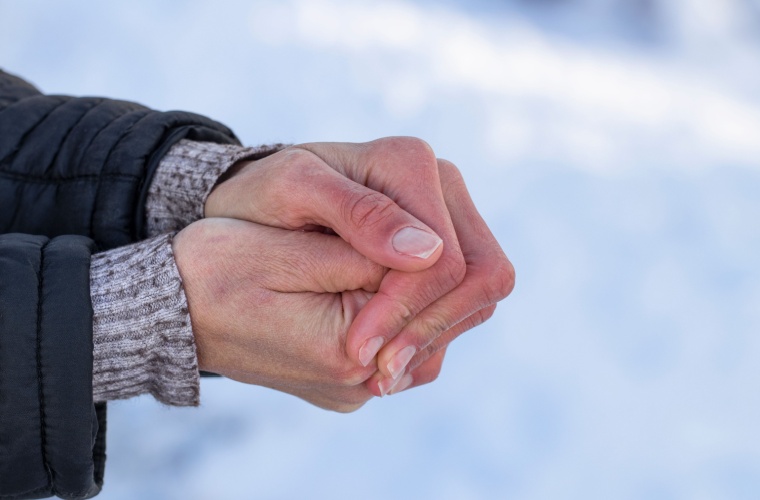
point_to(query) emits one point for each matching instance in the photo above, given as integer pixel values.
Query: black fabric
(83, 165)
(74, 174)
(48, 425)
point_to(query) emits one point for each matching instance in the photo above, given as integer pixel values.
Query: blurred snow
(613, 146)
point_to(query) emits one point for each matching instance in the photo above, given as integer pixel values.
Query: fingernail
(397, 364)
(369, 349)
(403, 384)
(415, 242)
(386, 385)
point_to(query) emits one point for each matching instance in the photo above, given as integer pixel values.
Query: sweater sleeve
(68, 166)
(84, 165)
(143, 339)
(185, 178)
(142, 335)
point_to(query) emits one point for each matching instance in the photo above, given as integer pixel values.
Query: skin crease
(365, 193)
(307, 288)
(489, 277)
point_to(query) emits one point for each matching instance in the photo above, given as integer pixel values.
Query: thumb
(373, 224)
(299, 261)
(294, 189)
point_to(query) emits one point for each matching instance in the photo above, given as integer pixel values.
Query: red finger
(381, 385)
(295, 189)
(489, 278)
(405, 170)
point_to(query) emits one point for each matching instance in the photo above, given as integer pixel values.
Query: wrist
(185, 178)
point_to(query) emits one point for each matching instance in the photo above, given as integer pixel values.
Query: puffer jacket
(74, 175)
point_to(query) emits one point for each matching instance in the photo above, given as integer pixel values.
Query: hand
(296, 189)
(365, 193)
(272, 307)
(488, 279)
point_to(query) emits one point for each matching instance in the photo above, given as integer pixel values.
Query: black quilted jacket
(74, 174)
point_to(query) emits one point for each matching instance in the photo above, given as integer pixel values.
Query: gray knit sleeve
(185, 178)
(142, 335)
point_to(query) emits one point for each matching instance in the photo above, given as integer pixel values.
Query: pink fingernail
(398, 362)
(415, 242)
(369, 349)
(402, 385)
(386, 385)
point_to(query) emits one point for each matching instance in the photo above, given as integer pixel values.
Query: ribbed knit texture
(186, 177)
(143, 338)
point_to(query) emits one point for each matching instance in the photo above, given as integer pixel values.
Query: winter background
(614, 148)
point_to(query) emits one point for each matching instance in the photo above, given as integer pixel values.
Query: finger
(294, 189)
(300, 261)
(380, 385)
(489, 278)
(406, 170)
(352, 302)
(425, 373)
(403, 169)
(447, 337)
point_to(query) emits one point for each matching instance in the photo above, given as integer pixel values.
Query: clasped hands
(336, 272)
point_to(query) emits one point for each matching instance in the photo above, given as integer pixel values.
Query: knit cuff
(186, 176)
(142, 335)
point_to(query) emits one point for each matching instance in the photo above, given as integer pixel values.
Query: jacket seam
(32, 128)
(40, 390)
(95, 105)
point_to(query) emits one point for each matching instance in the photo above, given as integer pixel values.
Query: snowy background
(613, 147)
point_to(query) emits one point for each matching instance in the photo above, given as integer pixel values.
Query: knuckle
(451, 178)
(293, 163)
(447, 166)
(500, 282)
(367, 208)
(413, 148)
(478, 318)
(299, 157)
(402, 313)
(448, 169)
(416, 146)
(429, 351)
(452, 182)
(485, 314)
(431, 327)
(452, 271)
(291, 172)
(407, 144)
(298, 169)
